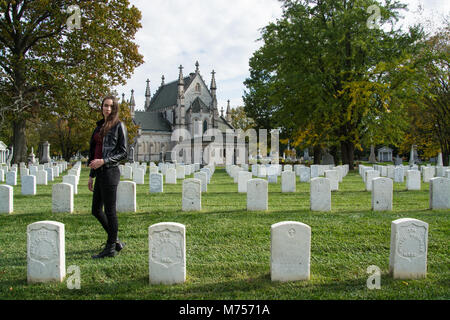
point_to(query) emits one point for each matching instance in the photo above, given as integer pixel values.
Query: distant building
(3, 152)
(186, 103)
(384, 154)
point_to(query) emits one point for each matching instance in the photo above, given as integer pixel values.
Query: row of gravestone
(42, 173)
(288, 177)
(398, 173)
(382, 188)
(290, 258)
(272, 171)
(172, 172)
(62, 193)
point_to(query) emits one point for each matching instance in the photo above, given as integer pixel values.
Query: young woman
(108, 146)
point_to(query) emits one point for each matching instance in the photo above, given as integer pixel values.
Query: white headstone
(156, 183)
(413, 180)
(71, 179)
(62, 197)
(126, 196)
(290, 252)
(382, 194)
(447, 174)
(167, 253)
(139, 175)
(409, 247)
(11, 178)
(333, 176)
(370, 174)
(398, 175)
(180, 172)
(46, 259)
(171, 176)
(288, 181)
(128, 172)
(203, 177)
(6, 198)
(320, 194)
(192, 195)
(257, 195)
(314, 171)
(41, 177)
(243, 177)
(2, 175)
(50, 177)
(439, 193)
(29, 185)
(428, 173)
(305, 174)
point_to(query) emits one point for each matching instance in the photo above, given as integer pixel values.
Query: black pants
(105, 194)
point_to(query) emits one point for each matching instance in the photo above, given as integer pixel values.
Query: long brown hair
(113, 117)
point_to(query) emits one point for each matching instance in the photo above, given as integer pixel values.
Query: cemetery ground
(228, 247)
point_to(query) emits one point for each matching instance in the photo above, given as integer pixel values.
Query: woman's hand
(96, 163)
(91, 184)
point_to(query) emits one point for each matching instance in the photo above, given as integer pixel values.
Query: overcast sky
(220, 35)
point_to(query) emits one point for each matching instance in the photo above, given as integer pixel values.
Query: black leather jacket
(114, 146)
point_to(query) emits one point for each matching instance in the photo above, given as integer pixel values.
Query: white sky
(220, 35)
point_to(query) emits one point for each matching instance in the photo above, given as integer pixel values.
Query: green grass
(228, 248)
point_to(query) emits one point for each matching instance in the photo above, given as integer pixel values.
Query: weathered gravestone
(71, 179)
(139, 175)
(243, 177)
(29, 185)
(11, 178)
(333, 176)
(439, 193)
(156, 183)
(413, 180)
(370, 175)
(6, 198)
(126, 197)
(320, 194)
(41, 177)
(62, 198)
(203, 177)
(398, 175)
(305, 174)
(46, 260)
(409, 247)
(290, 252)
(257, 195)
(127, 172)
(288, 181)
(171, 176)
(167, 253)
(382, 194)
(428, 173)
(192, 195)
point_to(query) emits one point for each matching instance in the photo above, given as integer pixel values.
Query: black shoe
(120, 245)
(109, 251)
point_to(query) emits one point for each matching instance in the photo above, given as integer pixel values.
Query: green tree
(48, 68)
(240, 120)
(325, 76)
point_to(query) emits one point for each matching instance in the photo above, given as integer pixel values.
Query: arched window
(197, 87)
(205, 126)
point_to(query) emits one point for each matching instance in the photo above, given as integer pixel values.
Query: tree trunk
(348, 153)
(19, 142)
(317, 150)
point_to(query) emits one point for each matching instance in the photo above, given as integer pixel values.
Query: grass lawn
(228, 248)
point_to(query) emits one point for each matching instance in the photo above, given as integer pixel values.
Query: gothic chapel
(186, 103)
